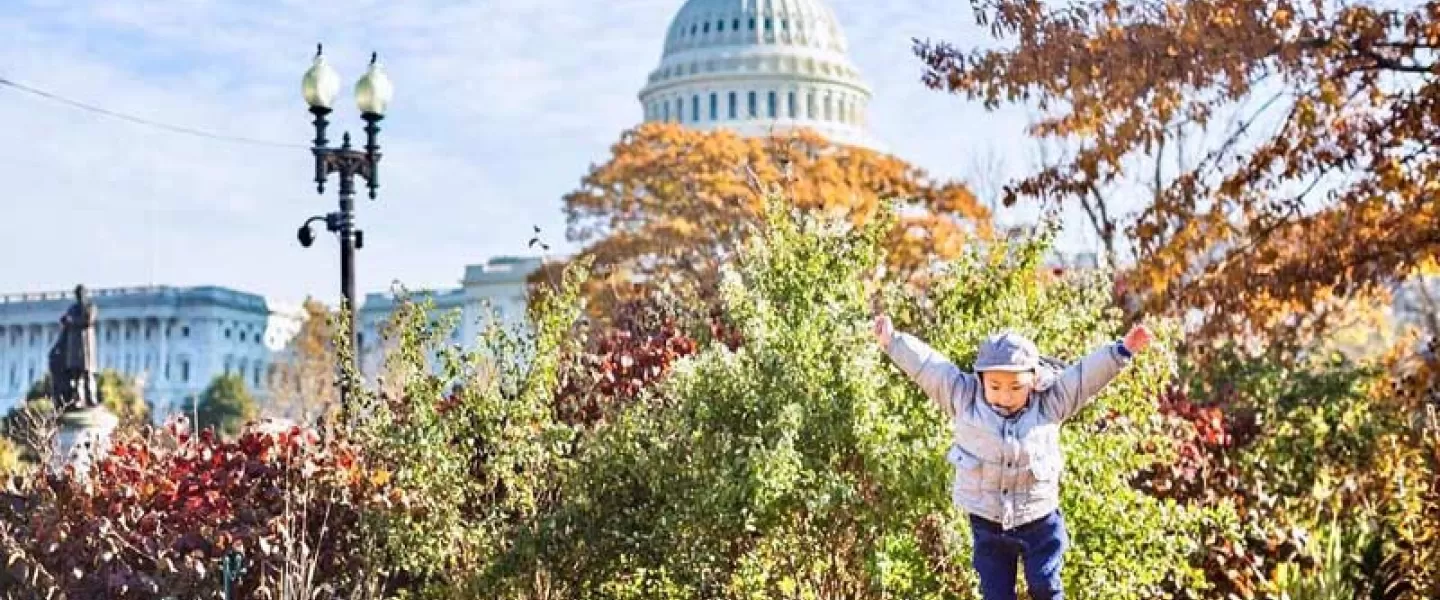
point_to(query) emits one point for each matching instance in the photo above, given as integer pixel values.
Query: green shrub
(803, 465)
(471, 437)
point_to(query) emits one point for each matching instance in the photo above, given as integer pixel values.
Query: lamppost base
(83, 438)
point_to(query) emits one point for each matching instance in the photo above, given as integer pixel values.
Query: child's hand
(1137, 340)
(884, 330)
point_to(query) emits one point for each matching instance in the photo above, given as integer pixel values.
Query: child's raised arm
(1079, 384)
(947, 386)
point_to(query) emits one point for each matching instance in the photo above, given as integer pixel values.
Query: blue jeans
(1041, 543)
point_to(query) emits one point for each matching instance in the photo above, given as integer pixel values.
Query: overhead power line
(140, 120)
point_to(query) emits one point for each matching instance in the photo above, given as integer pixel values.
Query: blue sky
(501, 106)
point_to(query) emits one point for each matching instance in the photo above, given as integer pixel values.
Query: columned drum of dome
(759, 67)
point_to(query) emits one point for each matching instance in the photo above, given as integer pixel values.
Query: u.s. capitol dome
(759, 67)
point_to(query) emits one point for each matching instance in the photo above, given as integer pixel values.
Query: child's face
(1008, 392)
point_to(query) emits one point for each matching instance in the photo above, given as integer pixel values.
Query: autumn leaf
(380, 477)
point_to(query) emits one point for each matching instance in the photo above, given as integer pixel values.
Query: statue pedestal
(84, 436)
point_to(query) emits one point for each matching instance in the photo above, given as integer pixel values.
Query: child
(1006, 419)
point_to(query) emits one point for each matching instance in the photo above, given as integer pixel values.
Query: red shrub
(637, 348)
(156, 516)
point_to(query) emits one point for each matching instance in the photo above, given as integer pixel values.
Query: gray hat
(1007, 351)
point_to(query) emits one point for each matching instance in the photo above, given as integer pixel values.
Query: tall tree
(1320, 186)
(226, 405)
(303, 386)
(672, 203)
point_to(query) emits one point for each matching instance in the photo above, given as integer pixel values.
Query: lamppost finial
(319, 49)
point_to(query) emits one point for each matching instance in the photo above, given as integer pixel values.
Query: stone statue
(72, 359)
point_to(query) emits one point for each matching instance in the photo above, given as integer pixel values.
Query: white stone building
(759, 67)
(173, 340)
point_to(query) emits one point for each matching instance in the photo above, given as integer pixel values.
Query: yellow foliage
(10, 459)
(303, 387)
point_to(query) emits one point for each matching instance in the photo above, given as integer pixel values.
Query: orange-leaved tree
(1318, 176)
(303, 384)
(672, 203)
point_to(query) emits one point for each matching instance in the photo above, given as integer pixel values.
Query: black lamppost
(372, 95)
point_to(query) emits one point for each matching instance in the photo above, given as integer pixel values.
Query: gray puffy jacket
(1007, 470)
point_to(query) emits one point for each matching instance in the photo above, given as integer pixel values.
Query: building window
(185, 369)
(733, 106)
(706, 28)
(714, 106)
(185, 331)
(667, 111)
(769, 24)
(754, 112)
(695, 109)
(829, 112)
(793, 107)
(227, 334)
(720, 26)
(679, 110)
(692, 29)
(771, 105)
